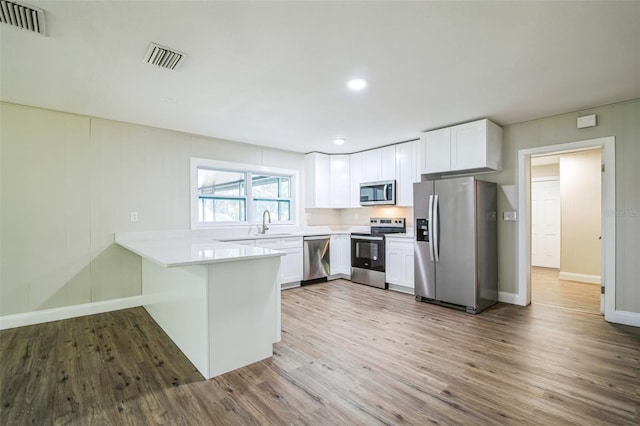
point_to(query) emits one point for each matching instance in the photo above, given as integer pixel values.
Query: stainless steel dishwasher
(316, 263)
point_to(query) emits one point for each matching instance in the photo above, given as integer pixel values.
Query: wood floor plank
(350, 354)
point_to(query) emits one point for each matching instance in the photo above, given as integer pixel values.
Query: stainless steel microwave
(378, 193)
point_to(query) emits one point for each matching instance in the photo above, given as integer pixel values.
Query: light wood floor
(548, 289)
(350, 354)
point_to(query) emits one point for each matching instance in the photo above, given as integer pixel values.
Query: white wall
(68, 182)
(580, 191)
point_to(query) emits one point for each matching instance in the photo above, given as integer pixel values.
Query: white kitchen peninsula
(219, 302)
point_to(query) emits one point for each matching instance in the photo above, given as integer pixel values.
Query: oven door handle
(359, 237)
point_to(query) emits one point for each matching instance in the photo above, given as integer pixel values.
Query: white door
(545, 223)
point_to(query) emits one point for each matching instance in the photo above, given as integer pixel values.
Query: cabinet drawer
(269, 243)
(291, 242)
(244, 242)
(404, 244)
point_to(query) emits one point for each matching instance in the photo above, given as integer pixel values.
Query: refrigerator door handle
(430, 227)
(436, 226)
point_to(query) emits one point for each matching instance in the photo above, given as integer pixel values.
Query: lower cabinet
(340, 254)
(399, 264)
(291, 262)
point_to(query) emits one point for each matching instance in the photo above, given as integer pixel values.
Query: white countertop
(173, 252)
(201, 246)
(407, 235)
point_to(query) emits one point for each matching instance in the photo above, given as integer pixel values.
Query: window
(230, 193)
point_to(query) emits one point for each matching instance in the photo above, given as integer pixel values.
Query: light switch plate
(509, 216)
(134, 216)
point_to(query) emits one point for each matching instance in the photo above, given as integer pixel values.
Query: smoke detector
(22, 16)
(164, 57)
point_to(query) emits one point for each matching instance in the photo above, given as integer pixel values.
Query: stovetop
(383, 225)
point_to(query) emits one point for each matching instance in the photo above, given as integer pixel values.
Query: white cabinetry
(379, 164)
(317, 169)
(406, 172)
(327, 181)
(355, 171)
(435, 155)
(399, 264)
(470, 147)
(340, 181)
(290, 263)
(340, 254)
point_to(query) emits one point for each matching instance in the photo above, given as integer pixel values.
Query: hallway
(548, 290)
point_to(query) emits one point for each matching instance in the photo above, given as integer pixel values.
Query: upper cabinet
(327, 180)
(465, 148)
(333, 181)
(340, 181)
(355, 170)
(406, 172)
(379, 164)
(317, 169)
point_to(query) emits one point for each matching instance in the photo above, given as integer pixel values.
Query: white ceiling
(274, 73)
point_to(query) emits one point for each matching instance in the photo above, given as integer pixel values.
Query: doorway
(607, 259)
(565, 230)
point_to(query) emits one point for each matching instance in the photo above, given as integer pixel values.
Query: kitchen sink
(282, 234)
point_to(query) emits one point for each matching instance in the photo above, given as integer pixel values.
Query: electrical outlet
(134, 216)
(509, 216)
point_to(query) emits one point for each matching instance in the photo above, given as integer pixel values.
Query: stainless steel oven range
(367, 251)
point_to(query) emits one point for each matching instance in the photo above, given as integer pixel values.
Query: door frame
(608, 194)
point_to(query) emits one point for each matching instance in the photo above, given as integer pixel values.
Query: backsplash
(355, 216)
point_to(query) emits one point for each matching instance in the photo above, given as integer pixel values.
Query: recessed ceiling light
(357, 83)
(339, 141)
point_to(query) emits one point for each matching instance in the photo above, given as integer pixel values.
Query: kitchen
(121, 168)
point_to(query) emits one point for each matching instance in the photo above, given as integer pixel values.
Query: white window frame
(241, 168)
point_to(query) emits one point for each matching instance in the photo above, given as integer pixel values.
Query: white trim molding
(623, 317)
(607, 144)
(571, 276)
(56, 314)
(506, 297)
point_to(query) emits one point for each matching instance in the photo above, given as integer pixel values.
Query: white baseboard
(511, 298)
(56, 314)
(624, 317)
(570, 276)
(338, 277)
(287, 286)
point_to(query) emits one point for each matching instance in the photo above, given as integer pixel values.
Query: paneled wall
(68, 182)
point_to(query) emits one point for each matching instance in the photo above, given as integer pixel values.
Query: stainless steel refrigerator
(455, 245)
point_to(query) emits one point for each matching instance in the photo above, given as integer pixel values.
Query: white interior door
(545, 223)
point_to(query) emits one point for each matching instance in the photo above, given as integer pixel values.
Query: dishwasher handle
(314, 238)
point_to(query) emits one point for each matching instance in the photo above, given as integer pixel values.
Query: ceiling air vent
(164, 57)
(22, 16)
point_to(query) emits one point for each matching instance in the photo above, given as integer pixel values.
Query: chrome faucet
(264, 225)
